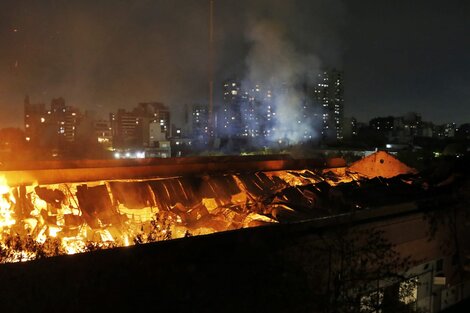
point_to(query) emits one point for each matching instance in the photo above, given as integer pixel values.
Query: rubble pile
(68, 218)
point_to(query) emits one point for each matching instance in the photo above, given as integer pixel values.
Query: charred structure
(332, 239)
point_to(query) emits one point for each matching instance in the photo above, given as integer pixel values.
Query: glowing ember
(48, 220)
(6, 202)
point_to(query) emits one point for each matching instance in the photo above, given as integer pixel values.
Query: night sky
(398, 56)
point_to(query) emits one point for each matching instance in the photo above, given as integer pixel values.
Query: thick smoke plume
(274, 63)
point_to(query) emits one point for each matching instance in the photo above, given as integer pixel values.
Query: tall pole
(211, 69)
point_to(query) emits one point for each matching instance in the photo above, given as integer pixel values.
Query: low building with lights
(144, 126)
(103, 132)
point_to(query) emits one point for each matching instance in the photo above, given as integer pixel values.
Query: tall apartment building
(230, 120)
(64, 118)
(300, 119)
(197, 121)
(255, 111)
(329, 95)
(34, 117)
(247, 111)
(258, 112)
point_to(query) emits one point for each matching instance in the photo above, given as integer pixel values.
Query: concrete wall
(264, 269)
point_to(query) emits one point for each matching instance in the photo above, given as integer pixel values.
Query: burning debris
(68, 218)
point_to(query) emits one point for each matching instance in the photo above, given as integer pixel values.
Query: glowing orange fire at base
(43, 221)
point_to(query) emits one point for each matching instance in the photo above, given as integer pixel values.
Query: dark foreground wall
(231, 272)
(261, 269)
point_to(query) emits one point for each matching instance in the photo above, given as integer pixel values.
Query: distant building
(156, 133)
(197, 122)
(103, 132)
(144, 126)
(253, 111)
(247, 111)
(449, 130)
(176, 132)
(412, 124)
(463, 131)
(230, 121)
(240, 116)
(125, 126)
(445, 131)
(382, 124)
(401, 129)
(34, 116)
(427, 129)
(52, 127)
(64, 118)
(350, 128)
(328, 93)
(153, 113)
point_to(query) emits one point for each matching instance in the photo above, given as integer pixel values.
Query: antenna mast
(211, 69)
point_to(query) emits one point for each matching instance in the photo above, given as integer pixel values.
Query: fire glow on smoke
(49, 220)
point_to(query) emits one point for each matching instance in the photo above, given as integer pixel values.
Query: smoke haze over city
(105, 55)
(235, 155)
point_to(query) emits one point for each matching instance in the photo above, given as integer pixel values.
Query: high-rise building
(255, 111)
(52, 127)
(63, 118)
(300, 121)
(230, 121)
(34, 117)
(328, 93)
(258, 113)
(247, 111)
(197, 121)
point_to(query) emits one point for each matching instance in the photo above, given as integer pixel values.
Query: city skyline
(181, 115)
(148, 124)
(107, 55)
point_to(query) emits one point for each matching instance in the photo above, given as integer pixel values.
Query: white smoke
(274, 62)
